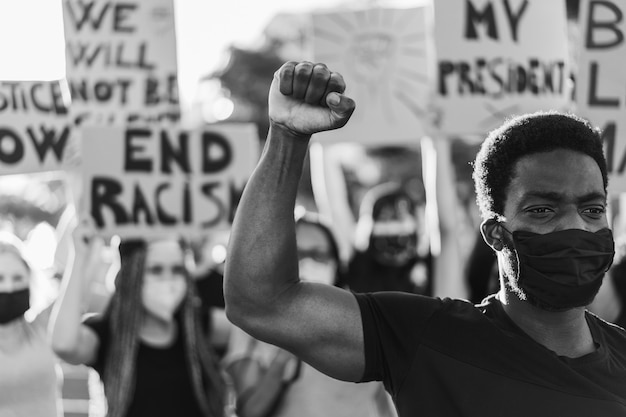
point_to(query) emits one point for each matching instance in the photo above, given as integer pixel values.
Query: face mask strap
(501, 224)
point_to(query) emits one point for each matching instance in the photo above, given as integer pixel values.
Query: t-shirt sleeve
(100, 326)
(393, 324)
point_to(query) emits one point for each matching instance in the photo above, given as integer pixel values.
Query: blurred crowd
(144, 319)
(147, 318)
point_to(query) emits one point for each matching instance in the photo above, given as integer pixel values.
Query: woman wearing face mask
(270, 381)
(28, 378)
(151, 345)
(387, 256)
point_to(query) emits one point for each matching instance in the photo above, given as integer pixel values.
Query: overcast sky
(31, 34)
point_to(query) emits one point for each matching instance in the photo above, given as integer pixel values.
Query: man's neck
(566, 333)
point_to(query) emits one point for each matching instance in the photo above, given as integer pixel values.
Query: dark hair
(494, 167)
(374, 201)
(124, 314)
(315, 220)
(10, 243)
(381, 196)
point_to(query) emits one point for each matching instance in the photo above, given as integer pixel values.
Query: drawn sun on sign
(382, 55)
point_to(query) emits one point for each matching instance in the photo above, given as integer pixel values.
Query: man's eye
(539, 210)
(595, 210)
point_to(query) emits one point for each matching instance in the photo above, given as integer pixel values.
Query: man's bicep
(322, 325)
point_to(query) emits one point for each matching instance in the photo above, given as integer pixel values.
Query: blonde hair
(124, 316)
(10, 243)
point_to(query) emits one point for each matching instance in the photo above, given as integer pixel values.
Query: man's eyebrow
(555, 196)
(595, 195)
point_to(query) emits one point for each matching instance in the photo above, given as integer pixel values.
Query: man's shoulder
(613, 334)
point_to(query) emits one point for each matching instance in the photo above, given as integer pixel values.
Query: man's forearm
(262, 258)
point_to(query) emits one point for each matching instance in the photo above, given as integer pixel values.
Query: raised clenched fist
(307, 98)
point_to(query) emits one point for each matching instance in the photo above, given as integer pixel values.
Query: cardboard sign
(384, 57)
(499, 58)
(155, 181)
(601, 82)
(34, 126)
(121, 61)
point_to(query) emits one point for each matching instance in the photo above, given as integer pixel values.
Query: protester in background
(29, 386)
(531, 349)
(151, 346)
(610, 303)
(391, 215)
(271, 382)
(208, 275)
(386, 254)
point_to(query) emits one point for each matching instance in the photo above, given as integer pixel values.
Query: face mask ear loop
(519, 264)
(501, 224)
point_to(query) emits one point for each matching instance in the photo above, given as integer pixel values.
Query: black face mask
(563, 269)
(13, 305)
(396, 251)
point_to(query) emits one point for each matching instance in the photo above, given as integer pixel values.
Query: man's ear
(492, 233)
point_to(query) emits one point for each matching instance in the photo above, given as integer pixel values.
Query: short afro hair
(495, 163)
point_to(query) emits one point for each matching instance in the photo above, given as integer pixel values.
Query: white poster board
(34, 126)
(384, 56)
(121, 61)
(141, 182)
(601, 82)
(499, 58)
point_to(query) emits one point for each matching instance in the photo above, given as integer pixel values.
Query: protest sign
(601, 81)
(385, 57)
(150, 181)
(121, 61)
(499, 58)
(34, 126)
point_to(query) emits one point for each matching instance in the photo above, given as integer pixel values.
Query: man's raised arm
(264, 296)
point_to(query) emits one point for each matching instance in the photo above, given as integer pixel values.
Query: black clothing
(364, 274)
(211, 289)
(163, 386)
(451, 358)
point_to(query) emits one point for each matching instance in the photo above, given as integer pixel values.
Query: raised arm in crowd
(530, 349)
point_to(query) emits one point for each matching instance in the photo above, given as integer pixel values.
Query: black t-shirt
(163, 386)
(450, 358)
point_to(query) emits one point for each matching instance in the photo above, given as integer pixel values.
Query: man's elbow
(232, 313)
(235, 309)
(245, 312)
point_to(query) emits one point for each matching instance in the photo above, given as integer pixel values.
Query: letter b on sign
(603, 22)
